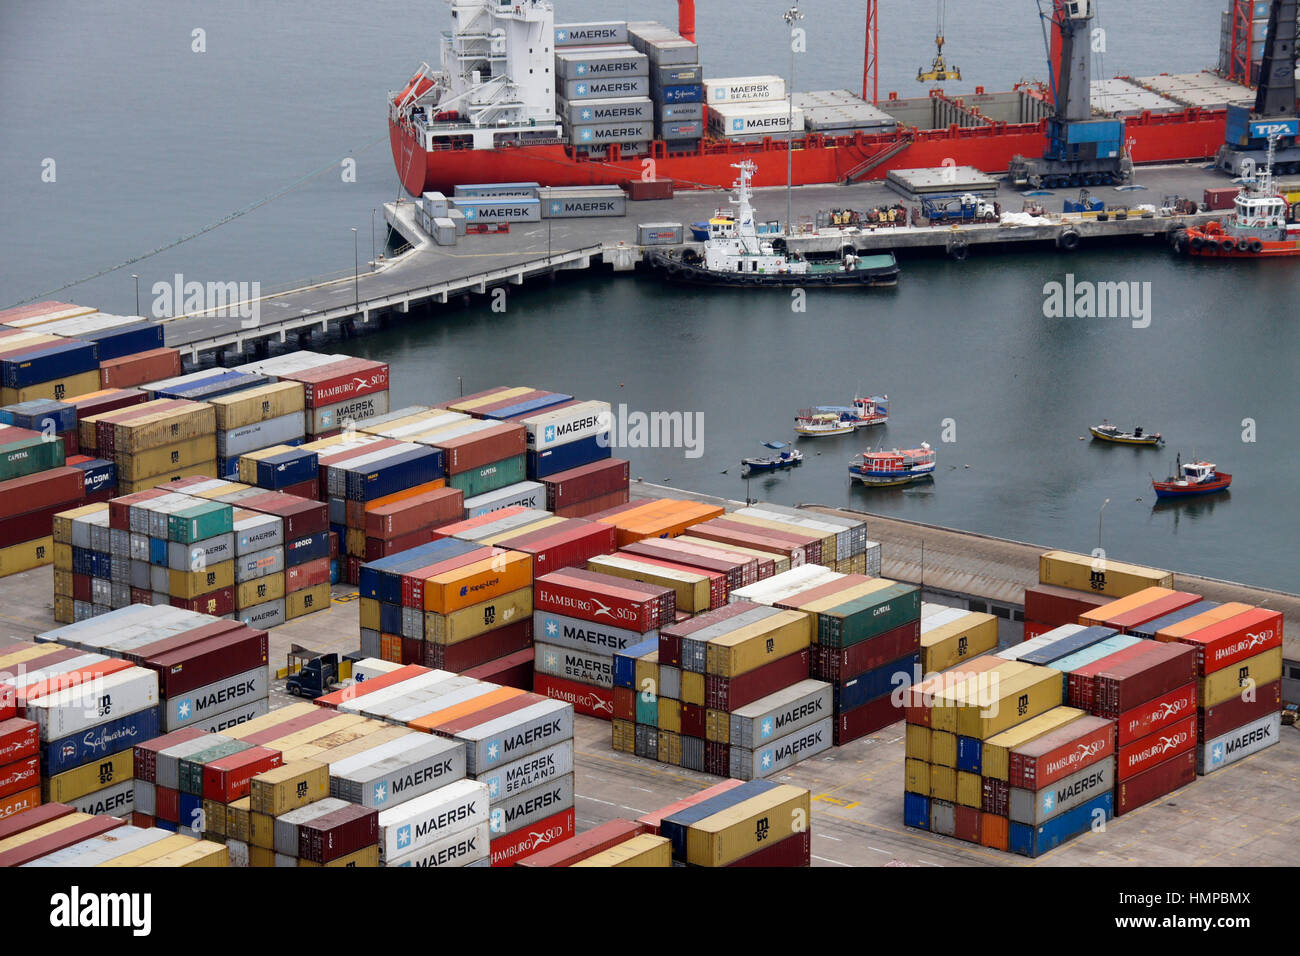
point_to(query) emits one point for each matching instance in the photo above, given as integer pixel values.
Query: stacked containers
(675, 84)
(82, 563)
(35, 484)
(950, 636)
(749, 108)
(854, 553)
(150, 365)
(582, 620)
(41, 365)
(20, 763)
(659, 518)
(159, 441)
(291, 469)
(755, 824)
(306, 537)
(587, 489)
(256, 418)
(52, 419)
(339, 389)
(601, 97)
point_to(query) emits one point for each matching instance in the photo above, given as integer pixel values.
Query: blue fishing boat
(785, 457)
(891, 469)
(1194, 478)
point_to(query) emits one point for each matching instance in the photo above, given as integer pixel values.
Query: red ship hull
(1190, 135)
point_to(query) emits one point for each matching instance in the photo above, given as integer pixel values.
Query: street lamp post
(356, 274)
(791, 17)
(1099, 514)
(137, 292)
(373, 257)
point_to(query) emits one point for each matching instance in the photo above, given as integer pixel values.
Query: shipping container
(1085, 573)
(513, 847)
(457, 807)
(1155, 748)
(460, 848)
(1160, 669)
(1162, 779)
(1218, 752)
(1035, 841)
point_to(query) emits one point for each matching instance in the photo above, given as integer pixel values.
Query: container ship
(519, 98)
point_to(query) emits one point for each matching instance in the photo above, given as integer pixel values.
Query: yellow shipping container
(268, 721)
(624, 736)
(369, 613)
(478, 618)
(750, 825)
(717, 726)
(80, 781)
(1122, 605)
(370, 734)
(163, 428)
(1223, 685)
(949, 644)
(851, 593)
(750, 647)
(918, 742)
(204, 468)
(692, 589)
(309, 735)
(1018, 698)
(917, 773)
(64, 612)
(289, 787)
(943, 783)
(200, 853)
(44, 830)
(1193, 624)
(261, 830)
(214, 819)
(1083, 572)
(478, 582)
(970, 789)
(670, 748)
(260, 857)
(258, 404)
(995, 759)
(307, 600)
(782, 563)
(62, 556)
(827, 539)
(366, 857)
(62, 583)
(306, 752)
(182, 454)
(467, 405)
(225, 488)
(354, 542)
(62, 525)
(943, 712)
(27, 555)
(645, 850)
(59, 389)
(247, 465)
(692, 688)
(943, 748)
(269, 587)
(191, 584)
(14, 658)
(237, 825)
(670, 715)
(647, 674)
(147, 854)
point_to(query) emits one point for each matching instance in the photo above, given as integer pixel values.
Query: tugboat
(1257, 227)
(891, 469)
(785, 457)
(841, 420)
(1194, 478)
(736, 255)
(1111, 433)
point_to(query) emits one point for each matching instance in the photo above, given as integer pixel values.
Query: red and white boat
(1258, 225)
(891, 469)
(1193, 478)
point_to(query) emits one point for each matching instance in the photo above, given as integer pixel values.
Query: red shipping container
(308, 489)
(19, 816)
(1162, 779)
(81, 587)
(19, 739)
(732, 693)
(1157, 748)
(140, 368)
(144, 757)
(794, 851)
(718, 589)
(485, 648)
(352, 575)
(1035, 629)
(995, 831)
(800, 598)
(586, 482)
(1121, 687)
(863, 721)
(227, 780)
(354, 691)
(1161, 607)
(340, 381)
(85, 830)
(302, 516)
(653, 820)
(584, 845)
(215, 603)
(412, 651)
(1221, 198)
(602, 598)
(71, 446)
(36, 494)
(996, 797)
(1054, 756)
(309, 575)
(642, 190)
(19, 776)
(1230, 642)
(1057, 606)
(210, 660)
(671, 634)
(472, 524)
(753, 537)
(8, 706)
(139, 655)
(514, 670)
(589, 509)
(68, 680)
(717, 758)
(1146, 719)
(585, 698)
(967, 824)
(694, 719)
(1081, 685)
(836, 664)
(737, 572)
(477, 449)
(807, 546)
(167, 804)
(141, 596)
(1237, 712)
(570, 545)
(143, 821)
(513, 847)
(337, 834)
(119, 509)
(625, 705)
(105, 401)
(432, 508)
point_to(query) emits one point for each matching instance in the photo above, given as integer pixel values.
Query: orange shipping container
(130, 370)
(1193, 624)
(479, 582)
(426, 723)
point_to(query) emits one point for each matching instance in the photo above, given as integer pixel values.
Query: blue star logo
(1218, 753)
(556, 207)
(586, 135)
(582, 69)
(381, 793)
(494, 786)
(767, 759)
(561, 35)
(404, 836)
(767, 727)
(551, 628)
(497, 821)
(582, 89)
(494, 751)
(471, 213)
(720, 94)
(1049, 801)
(586, 114)
(183, 709)
(550, 429)
(738, 124)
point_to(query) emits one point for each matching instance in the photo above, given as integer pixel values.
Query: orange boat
(1257, 227)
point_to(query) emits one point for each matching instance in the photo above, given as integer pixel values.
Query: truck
(941, 210)
(313, 674)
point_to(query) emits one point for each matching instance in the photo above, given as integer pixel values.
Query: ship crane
(1276, 114)
(939, 71)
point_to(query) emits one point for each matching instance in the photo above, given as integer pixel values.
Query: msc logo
(1022, 705)
(761, 830)
(1097, 580)
(963, 644)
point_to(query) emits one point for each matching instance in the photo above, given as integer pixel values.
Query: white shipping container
(333, 417)
(461, 848)
(200, 554)
(526, 808)
(605, 133)
(580, 34)
(574, 665)
(1238, 744)
(1017, 651)
(601, 64)
(529, 772)
(627, 109)
(526, 494)
(398, 771)
(781, 586)
(363, 670)
(259, 564)
(1034, 808)
(562, 631)
(744, 89)
(239, 714)
(781, 713)
(425, 705)
(238, 851)
(106, 846)
(201, 703)
(281, 860)
(115, 801)
(783, 753)
(552, 429)
(285, 828)
(606, 88)
(263, 616)
(516, 735)
(146, 797)
(264, 434)
(458, 806)
(393, 691)
(96, 702)
(744, 120)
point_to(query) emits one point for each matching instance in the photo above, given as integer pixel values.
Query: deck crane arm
(939, 71)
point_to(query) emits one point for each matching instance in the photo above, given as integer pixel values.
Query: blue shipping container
(674, 827)
(691, 93)
(916, 811)
(584, 451)
(970, 754)
(1148, 630)
(1066, 646)
(874, 684)
(100, 474)
(127, 339)
(226, 384)
(1035, 841)
(382, 580)
(287, 469)
(311, 548)
(625, 662)
(57, 361)
(406, 470)
(191, 809)
(535, 405)
(334, 571)
(101, 741)
(158, 551)
(33, 415)
(213, 375)
(390, 618)
(228, 468)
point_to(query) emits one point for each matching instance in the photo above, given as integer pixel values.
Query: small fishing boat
(1138, 436)
(841, 419)
(785, 457)
(1194, 478)
(891, 469)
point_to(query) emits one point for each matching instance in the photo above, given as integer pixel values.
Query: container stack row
(36, 483)
(602, 88)
(676, 90)
(57, 834)
(338, 390)
(747, 109)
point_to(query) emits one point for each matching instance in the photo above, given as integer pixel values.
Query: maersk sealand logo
(550, 429)
(497, 820)
(493, 751)
(381, 793)
(766, 728)
(404, 836)
(766, 759)
(184, 709)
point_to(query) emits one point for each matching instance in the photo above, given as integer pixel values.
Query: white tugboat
(736, 255)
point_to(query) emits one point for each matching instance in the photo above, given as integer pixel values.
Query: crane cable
(271, 197)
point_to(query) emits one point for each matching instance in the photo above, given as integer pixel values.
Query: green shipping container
(869, 616)
(647, 711)
(491, 477)
(201, 522)
(191, 768)
(27, 456)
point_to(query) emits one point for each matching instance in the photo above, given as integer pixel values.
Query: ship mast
(791, 17)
